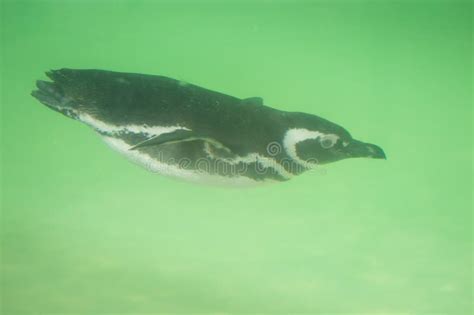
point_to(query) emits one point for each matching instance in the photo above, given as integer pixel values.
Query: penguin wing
(180, 135)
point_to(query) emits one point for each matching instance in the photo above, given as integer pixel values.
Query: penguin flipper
(169, 137)
(179, 135)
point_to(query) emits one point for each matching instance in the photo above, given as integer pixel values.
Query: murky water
(85, 231)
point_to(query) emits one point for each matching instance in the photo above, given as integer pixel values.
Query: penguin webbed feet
(50, 94)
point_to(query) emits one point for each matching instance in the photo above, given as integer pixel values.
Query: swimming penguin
(179, 129)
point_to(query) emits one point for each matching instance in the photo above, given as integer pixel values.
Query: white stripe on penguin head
(294, 136)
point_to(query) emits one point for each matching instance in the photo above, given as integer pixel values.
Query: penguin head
(312, 140)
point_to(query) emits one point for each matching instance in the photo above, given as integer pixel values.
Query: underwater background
(85, 231)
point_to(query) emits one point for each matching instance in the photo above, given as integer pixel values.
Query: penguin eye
(327, 142)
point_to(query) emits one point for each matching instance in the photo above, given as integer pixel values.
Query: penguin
(179, 129)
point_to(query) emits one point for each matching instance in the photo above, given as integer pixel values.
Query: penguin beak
(361, 149)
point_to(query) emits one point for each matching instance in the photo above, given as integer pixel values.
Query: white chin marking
(157, 166)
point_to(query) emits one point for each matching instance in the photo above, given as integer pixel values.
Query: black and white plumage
(182, 130)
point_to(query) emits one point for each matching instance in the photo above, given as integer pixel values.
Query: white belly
(196, 176)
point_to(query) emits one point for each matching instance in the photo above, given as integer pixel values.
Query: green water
(84, 231)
